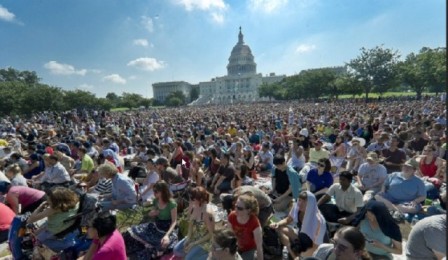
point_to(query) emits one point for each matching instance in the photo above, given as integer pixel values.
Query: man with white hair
(403, 192)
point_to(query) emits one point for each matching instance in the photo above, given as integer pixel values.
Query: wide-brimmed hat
(304, 132)
(372, 156)
(361, 141)
(412, 163)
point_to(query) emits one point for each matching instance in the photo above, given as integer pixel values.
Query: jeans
(196, 252)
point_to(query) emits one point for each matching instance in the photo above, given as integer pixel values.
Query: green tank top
(55, 223)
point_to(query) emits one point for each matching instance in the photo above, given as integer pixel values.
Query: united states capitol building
(239, 85)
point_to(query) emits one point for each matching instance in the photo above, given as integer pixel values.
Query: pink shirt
(113, 248)
(26, 195)
(6, 217)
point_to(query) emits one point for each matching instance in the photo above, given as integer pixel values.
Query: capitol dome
(241, 60)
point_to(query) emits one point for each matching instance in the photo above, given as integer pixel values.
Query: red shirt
(6, 217)
(428, 169)
(244, 232)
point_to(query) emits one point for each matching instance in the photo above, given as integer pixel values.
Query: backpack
(272, 247)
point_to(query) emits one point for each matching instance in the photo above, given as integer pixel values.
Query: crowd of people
(310, 180)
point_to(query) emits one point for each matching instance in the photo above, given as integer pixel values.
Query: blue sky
(126, 45)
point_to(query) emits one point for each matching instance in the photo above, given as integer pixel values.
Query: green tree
(266, 90)
(375, 69)
(113, 99)
(175, 98)
(348, 84)
(131, 100)
(41, 97)
(79, 99)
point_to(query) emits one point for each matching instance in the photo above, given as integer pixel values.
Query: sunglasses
(239, 208)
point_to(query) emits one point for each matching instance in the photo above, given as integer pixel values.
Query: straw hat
(361, 141)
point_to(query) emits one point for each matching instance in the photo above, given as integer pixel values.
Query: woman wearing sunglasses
(224, 246)
(320, 179)
(245, 224)
(196, 244)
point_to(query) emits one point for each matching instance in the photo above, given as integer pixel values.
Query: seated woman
(320, 179)
(382, 233)
(196, 172)
(245, 224)
(62, 203)
(310, 223)
(241, 177)
(348, 244)
(430, 170)
(28, 198)
(107, 241)
(151, 240)
(14, 174)
(146, 189)
(196, 244)
(224, 246)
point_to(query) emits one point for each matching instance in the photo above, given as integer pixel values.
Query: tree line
(376, 70)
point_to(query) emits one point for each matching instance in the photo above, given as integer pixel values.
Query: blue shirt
(123, 189)
(319, 182)
(403, 190)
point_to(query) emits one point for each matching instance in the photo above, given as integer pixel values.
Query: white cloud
(203, 5)
(63, 69)
(217, 17)
(302, 48)
(147, 23)
(115, 78)
(6, 15)
(141, 42)
(146, 63)
(216, 8)
(267, 6)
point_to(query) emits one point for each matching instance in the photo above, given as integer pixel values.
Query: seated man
(54, 174)
(427, 239)
(348, 200)
(286, 184)
(371, 176)
(168, 174)
(403, 192)
(265, 158)
(222, 179)
(123, 194)
(87, 166)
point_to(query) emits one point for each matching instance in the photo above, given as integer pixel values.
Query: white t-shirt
(152, 178)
